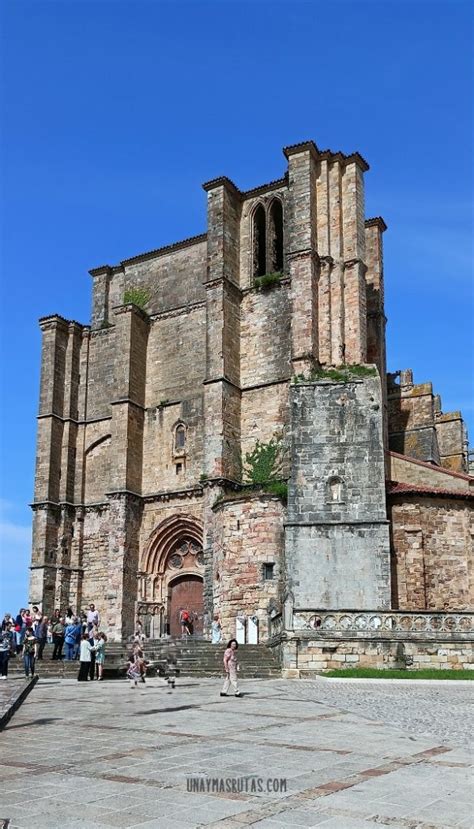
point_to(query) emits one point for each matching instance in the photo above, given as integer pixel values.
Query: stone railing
(381, 623)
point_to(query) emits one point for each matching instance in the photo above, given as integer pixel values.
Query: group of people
(27, 633)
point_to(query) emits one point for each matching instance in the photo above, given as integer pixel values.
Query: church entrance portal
(171, 577)
(186, 592)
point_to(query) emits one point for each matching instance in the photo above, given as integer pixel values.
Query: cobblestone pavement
(354, 756)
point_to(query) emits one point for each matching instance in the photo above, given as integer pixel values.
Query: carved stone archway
(173, 554)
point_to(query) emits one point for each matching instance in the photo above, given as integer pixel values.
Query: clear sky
(114, 113)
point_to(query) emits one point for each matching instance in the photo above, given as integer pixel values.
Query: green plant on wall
(263, 283)
(136, 296)
(264, 464)
(341, 374)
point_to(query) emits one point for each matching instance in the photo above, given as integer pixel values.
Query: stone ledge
(12, 697)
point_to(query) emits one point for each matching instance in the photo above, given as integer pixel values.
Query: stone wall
(432, 552)
(248, 533)
(310, 658)
(337, 545)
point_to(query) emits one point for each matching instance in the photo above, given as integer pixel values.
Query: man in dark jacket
(58, 639)
(7, 648)
(41, 635)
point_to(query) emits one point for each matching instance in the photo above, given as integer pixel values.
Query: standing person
(7, 648)
(79, 631)
(231, 666)
(93, 617)
(7, 619)
(84, 658)
(37, 616)
(58, 639)
(49, 637)
(69, 619)
(70, 638)
(100, 655)
(185, 622)
(20, 629)
(93, 641)
(29, 647)
(41, 634)
(216, 630)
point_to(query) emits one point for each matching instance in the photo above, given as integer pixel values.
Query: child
(84, 658)
(133, 672)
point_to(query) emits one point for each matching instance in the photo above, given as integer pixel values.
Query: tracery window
(267, 238)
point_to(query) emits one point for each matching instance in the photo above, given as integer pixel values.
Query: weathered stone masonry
(146, 414)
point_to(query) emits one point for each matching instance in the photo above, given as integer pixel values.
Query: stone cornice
(128, 401)
(131, 308)
(177, 311)
(326, 155)
(222, 181)
(57, 321)
(377, 221)
(72, 419)
(222, 379)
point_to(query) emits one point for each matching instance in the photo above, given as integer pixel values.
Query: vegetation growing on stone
(340, 374)
(263, 283)
(136, 296)
(263, 467)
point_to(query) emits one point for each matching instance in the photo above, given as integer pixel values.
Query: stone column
(376, 319)
(100, 296)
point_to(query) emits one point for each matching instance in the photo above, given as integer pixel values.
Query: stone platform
(355, 755)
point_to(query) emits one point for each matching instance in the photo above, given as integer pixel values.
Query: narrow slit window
(276, 237)
(180, 438)
(259, 242)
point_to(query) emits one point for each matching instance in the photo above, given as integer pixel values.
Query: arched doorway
(171, 576)
(186, 592)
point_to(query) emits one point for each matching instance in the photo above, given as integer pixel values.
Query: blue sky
(114, 113)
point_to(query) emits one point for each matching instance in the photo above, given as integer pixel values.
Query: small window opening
(238, 525)
(335, 489)
(179, 468)
(268, 572)
(259, 242)
(276, 237)
(180, 437)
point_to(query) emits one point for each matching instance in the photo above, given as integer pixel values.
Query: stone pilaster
(355, 311)
(100, 296)
(302, 238)
(222, 383)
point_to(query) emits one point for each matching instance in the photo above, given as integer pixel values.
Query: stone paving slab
(354, 756)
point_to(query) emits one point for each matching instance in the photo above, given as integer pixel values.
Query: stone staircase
(167, 657)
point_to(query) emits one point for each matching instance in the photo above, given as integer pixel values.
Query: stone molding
(381, 624)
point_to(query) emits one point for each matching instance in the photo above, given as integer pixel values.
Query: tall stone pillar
(302, 240)
(125, 503)
(47, 517)
(222, 383)
(376, 319)
(355, 310)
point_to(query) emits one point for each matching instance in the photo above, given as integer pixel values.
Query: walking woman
(231, 666)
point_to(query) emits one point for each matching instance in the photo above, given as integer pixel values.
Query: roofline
(377, 221)
(326, 155)
(426, 491)
(142, 257)
(432, 467)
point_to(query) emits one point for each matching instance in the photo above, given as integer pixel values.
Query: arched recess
(97, 470)
(259, 241)
(172, 572)
(275, 237)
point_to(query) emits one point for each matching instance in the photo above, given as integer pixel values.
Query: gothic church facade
(197, 351)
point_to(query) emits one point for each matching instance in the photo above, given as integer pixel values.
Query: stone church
(266, 331)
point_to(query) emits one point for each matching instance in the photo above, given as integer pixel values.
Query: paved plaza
(355, 755)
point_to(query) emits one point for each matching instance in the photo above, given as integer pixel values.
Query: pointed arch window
(267, 238)
(180, 438)
(275, 236)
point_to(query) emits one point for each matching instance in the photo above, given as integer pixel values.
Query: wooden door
(186, 592)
